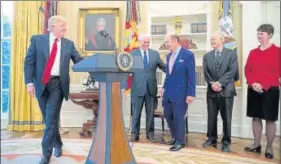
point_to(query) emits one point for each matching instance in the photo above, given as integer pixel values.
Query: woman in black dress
(263, 72)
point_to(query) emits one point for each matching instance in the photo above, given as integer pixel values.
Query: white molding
(4, 121)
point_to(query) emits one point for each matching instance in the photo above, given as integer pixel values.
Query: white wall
(261, 12)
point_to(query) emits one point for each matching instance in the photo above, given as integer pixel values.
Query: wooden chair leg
(186, 125)
(163, 124)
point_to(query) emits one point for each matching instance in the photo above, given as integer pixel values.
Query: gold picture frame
(89, 35)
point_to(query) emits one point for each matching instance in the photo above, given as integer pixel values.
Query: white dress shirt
(56, 67)
(142, 54)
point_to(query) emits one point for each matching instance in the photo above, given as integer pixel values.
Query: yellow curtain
(24, 112)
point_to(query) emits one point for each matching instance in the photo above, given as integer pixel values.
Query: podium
(110, 145)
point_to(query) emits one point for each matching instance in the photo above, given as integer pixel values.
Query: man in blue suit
(178, 90)
(46, 71)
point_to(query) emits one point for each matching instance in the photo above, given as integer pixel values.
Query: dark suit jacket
(227, 75)
(36, 58)
(182, 80)
(142, 79)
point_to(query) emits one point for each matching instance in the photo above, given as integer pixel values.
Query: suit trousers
(174, 113)
(225, 106)
(137, 105)
(50, 104)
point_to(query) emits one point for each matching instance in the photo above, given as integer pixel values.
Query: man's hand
(257, 87)
(162, 92)
(30, 90)
(189, 99)
(216, 87)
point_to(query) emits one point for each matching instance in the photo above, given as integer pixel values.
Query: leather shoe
(171, 142)
(58, 152)
(209, 143)
(225, 147)
(176, 147)
(134, 138)
(45, 160)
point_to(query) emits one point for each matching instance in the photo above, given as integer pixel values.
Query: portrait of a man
(94, 25)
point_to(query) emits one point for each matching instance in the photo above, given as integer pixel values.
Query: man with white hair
(46, 72)
(97, 42)
(144, 88)
(220, 71)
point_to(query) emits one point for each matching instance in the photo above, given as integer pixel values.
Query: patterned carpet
(27, 151)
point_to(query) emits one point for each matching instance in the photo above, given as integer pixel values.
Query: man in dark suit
(221, 72)
(178, 90)
(46, 71)
(97, 42)
(144, 88)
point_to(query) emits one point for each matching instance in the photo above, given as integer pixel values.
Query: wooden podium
(110, 145)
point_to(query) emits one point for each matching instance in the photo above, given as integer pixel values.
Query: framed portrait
(96, 27)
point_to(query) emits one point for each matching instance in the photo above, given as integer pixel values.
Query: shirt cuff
(218, 83)
(29, 84)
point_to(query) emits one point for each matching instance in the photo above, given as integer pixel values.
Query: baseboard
(4, 121)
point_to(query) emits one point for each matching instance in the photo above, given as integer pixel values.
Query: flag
(48, 8)
(131, 32)
(226, 26)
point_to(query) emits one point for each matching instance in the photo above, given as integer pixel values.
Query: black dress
(263, 105)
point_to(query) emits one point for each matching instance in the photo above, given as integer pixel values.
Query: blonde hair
(54, 19)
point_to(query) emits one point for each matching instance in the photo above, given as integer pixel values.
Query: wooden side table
(89, 100)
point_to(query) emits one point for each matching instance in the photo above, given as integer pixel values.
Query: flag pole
(131, 43)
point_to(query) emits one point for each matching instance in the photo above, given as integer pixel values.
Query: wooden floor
(193, 140)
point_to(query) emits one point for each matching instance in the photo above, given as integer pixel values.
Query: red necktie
(50, 63)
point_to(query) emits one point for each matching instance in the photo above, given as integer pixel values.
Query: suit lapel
(213, 61)
(150, 58)
(62, 49)
(176, 61)
(46, 48)
(222, 57)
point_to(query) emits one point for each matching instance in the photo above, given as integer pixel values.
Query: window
(6, 22)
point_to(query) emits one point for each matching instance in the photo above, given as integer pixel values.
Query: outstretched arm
(75, 56)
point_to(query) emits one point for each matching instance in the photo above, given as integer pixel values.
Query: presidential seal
(124, 61)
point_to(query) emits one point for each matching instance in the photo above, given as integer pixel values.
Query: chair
(158, 113)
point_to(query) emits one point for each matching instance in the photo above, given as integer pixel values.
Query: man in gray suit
(46, 72)
(144, 88)
(221, 72)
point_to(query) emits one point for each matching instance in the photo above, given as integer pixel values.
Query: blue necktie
(145, 60)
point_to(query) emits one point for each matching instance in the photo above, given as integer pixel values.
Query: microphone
(104, 34)
(107, 36)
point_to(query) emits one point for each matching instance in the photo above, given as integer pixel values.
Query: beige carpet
(27, 151)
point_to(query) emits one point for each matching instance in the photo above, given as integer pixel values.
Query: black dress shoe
(225, 147)
(45, 160)
(209, 143)
(171, 142)
(253, 149)
(58, 152)
(268, 155)
(176, 147)
(134, 138)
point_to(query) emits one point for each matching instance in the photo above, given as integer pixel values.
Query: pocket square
(181, 61)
